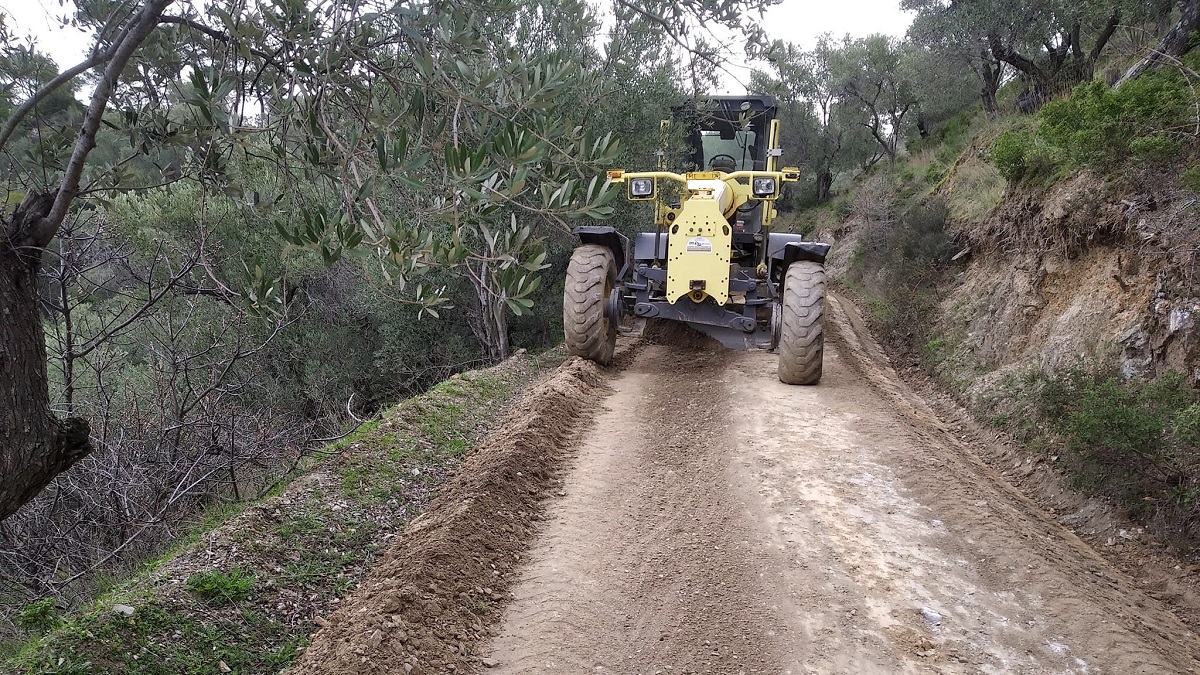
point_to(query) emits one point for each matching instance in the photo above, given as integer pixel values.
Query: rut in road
(715, 520)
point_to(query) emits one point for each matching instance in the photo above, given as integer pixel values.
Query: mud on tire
(802, 342)
(590, 278)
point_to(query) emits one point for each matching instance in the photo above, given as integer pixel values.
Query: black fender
(784, 249)
(605, 235)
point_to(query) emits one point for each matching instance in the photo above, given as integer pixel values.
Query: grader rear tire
(802, 342)
(590, 278)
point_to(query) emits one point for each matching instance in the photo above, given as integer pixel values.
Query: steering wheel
(732, 159)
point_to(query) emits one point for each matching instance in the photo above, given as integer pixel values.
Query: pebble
(123, 610)
(931, 616)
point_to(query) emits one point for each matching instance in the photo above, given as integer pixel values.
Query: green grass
(217, 587)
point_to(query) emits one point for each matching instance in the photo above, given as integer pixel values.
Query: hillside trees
(1179, 40)
(956, 36)
(870, 73)
(848, 104)
(1052, 44)
(816, 119)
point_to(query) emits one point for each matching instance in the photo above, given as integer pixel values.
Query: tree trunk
(824, 185)
(989, 71)
(1176, 42)
(35, 446)
(491, 325)
(1032, 72)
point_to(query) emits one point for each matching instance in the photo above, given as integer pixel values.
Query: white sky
(43, 20)
(801, 22)
(797, 21)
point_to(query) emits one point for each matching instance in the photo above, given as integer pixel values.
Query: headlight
(764, 187)
(641, 187)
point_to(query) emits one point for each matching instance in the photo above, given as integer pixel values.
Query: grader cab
(711, 260)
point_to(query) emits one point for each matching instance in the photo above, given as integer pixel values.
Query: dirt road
(714, 520)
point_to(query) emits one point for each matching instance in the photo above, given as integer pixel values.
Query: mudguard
(788, 248)
(605, 236)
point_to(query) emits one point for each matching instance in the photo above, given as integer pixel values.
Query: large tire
(802, 339)
(590, 278)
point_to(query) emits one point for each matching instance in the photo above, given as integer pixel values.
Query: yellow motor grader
(712, 260)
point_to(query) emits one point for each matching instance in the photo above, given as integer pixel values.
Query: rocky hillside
(1061, 308)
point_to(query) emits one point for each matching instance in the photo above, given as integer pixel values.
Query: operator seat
(723, 164)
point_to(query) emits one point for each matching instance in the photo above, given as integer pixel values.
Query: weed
(975, 189)
(40, 616)
(217, 587)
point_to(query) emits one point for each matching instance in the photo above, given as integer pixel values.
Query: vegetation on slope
(1119, 436)
(242, 592)
(269, 244)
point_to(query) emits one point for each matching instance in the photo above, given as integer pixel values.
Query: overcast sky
(796, 21)
(801, 22)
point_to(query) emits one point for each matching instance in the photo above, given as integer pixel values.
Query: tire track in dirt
(1083, 606)
(643, 567)
(718, 521)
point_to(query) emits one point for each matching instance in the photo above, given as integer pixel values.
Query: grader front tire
(590, 278)
(802, 341)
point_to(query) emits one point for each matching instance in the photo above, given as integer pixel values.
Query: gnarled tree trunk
(989, 70)
(35, 446)
(1176, 42)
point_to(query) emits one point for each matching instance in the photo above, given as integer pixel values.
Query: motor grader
(711, 260)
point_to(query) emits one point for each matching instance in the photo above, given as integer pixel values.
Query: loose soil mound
(677, 334)
(426, 603)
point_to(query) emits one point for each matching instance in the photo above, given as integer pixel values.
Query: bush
(217, 588)
(1191, 178)
(902, 264)
(1009, 154)
(843, 208)
(39, 617)
(1136, 442)
(1154, 148)
(935, 173)
(1100, 127)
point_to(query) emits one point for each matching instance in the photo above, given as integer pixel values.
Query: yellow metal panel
(768, 214)
(698, 250)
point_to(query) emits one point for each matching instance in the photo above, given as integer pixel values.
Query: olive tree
(446, 138)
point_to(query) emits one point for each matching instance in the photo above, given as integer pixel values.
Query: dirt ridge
(428, 600)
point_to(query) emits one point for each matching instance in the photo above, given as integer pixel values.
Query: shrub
(1136, 442)
(1009, 154)
(1191, 178)
(935, 173)
(1156, 147)
(1098, 126)
(40, 616)
(217, 588)
(843, 208)
(902, 263)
